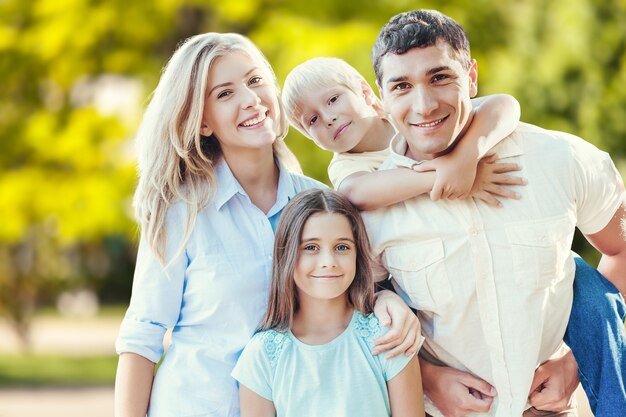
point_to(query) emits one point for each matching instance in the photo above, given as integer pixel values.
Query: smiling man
(494, 286)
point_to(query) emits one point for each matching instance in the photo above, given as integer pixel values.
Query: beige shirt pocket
(539, 250)
(419, 268)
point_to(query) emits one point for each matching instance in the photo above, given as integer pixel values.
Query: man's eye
(440, 77)
(401, 86)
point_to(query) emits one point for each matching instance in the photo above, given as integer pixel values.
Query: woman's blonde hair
(283, 300)
(320, 73)
(177, 163)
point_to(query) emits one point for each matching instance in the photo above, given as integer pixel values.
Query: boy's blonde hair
(320, 73)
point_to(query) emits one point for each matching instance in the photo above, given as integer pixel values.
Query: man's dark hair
(419, 29)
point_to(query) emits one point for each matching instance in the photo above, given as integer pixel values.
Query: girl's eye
(342, 247)
(224, 93)
(333, 99)
(312, 120)
(255, 80)
(309, 247)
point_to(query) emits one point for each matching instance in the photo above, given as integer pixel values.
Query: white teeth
(431, 124)
(257, 120)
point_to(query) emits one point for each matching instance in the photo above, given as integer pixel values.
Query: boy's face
(427, 93)
(337, 118)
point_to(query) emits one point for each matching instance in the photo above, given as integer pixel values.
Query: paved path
(57, 402)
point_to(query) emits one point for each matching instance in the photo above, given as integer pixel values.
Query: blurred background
(75, 76)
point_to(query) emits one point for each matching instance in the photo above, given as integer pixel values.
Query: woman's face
(241, 106)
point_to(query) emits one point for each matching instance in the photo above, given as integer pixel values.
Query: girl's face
(241, 106)
(326, 262)
(337, 118)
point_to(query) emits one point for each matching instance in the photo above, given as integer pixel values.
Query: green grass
(52, 370)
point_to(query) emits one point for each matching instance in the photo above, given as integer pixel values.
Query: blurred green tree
(76, 73)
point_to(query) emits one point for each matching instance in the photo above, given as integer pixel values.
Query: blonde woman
(214, 177)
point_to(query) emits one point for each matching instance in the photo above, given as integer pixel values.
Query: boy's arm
(405, 391)
(253, 405)
(495, 117)
(372, 190)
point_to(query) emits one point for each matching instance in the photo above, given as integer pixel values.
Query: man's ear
(473, 76)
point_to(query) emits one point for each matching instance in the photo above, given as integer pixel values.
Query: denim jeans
(596, 335)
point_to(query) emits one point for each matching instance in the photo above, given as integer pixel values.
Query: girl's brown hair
(283, 294)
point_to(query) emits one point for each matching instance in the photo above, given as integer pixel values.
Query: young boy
(328, 101)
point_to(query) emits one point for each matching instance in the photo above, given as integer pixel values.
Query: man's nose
(423, 101)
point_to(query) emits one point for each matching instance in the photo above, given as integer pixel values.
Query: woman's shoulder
(302, 182)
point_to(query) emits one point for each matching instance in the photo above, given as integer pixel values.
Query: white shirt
(493, 286)
(345, 164)
(213, 296)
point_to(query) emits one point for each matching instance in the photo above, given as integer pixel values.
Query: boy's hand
(455, 176)
(490, 178)
(404, 335)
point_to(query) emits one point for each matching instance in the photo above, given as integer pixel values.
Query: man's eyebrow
(397, 79)
(229, 83)
(438, 69)
(431, 71)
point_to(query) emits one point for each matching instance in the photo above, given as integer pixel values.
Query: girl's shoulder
(368, 327)
(271, 343)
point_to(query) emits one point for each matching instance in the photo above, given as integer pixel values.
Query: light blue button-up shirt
(213, 296)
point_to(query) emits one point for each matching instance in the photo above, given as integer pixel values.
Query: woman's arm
(253, 405)
(133, 384)
(405, 391)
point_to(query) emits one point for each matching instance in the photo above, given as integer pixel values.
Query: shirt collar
(228, 187)
(398, 147)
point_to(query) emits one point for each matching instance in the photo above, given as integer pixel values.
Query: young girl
(312, 356)
(214, 178)
(328, 101)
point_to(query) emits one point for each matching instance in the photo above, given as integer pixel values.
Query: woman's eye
(312, 120)
(255, 80)
(224, 93)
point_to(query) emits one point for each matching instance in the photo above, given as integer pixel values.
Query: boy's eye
(224, 93)
(333, 99)
(254, 80)
(312, 120)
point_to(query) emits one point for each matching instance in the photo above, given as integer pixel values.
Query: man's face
(427, 93)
